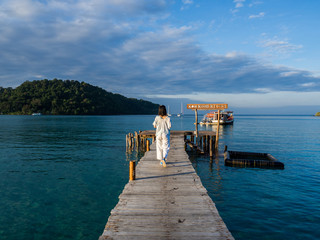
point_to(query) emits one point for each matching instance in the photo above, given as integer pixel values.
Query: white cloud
(187, 1)
(263, 90)
(260, 15)
(276, 45)
(289, 74)
(255, 3)
(186, 4)
(239, 3)
(309, 84)
(22, 9)
(232, 54)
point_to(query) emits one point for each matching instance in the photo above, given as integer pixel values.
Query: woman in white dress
(162, 124)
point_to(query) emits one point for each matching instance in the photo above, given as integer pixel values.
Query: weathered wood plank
(165, 203)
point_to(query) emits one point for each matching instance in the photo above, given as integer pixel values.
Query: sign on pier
(208, 106)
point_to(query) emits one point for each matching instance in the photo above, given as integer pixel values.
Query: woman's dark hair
(162, 111)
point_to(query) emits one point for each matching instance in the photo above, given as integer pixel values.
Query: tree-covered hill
(69, 97)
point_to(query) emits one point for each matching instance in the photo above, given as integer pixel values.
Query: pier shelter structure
(165, 202)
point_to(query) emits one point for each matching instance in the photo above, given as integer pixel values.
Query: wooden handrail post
(148, 145)
(132, 170)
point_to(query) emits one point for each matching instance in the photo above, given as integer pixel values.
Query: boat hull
(216, 122)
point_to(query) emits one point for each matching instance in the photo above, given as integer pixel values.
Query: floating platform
(251, 159)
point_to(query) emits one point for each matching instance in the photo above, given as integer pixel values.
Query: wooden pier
(165, 203)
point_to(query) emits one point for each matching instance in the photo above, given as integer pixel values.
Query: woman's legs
(163, 146)
(159, 147)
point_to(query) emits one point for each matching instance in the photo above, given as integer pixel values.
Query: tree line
(68, 97)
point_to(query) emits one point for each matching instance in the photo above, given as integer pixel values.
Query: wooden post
(127, 142)
(130, 140)
(217, 133)
(148, 145)
(211, 146)
(142, 143)
(140, 140)
(136, 140)
(132, 170)
(196, 123)
(207, 143)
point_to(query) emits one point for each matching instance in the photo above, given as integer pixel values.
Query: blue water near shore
(60, 176)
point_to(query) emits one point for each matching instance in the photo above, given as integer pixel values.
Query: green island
(317, 114)
(68, 97)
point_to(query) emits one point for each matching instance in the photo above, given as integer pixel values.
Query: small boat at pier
(226, 117)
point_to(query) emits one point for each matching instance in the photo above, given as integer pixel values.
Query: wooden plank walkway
(165, 203)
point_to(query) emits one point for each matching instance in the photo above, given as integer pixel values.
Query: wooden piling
(211, 147)
(217, 133)
(196, 123)
(127, 142)
(132, 170)
(147, 145)
(207, 143)
(136, 137)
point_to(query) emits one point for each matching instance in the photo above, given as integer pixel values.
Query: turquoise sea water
(60, 176)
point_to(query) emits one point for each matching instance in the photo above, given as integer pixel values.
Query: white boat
(36, 114)
(226, 117)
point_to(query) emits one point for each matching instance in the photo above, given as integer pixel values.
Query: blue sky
(251, 54)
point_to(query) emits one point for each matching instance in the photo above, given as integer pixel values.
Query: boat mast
(181, 109)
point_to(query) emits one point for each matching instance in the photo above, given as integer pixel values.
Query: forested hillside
(69, 97)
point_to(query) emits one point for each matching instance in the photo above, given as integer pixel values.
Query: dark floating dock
(251, 159)
(165, 203)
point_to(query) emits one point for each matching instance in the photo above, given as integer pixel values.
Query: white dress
(162, 136)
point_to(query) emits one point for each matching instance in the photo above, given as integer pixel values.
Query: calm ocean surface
(60, 176)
